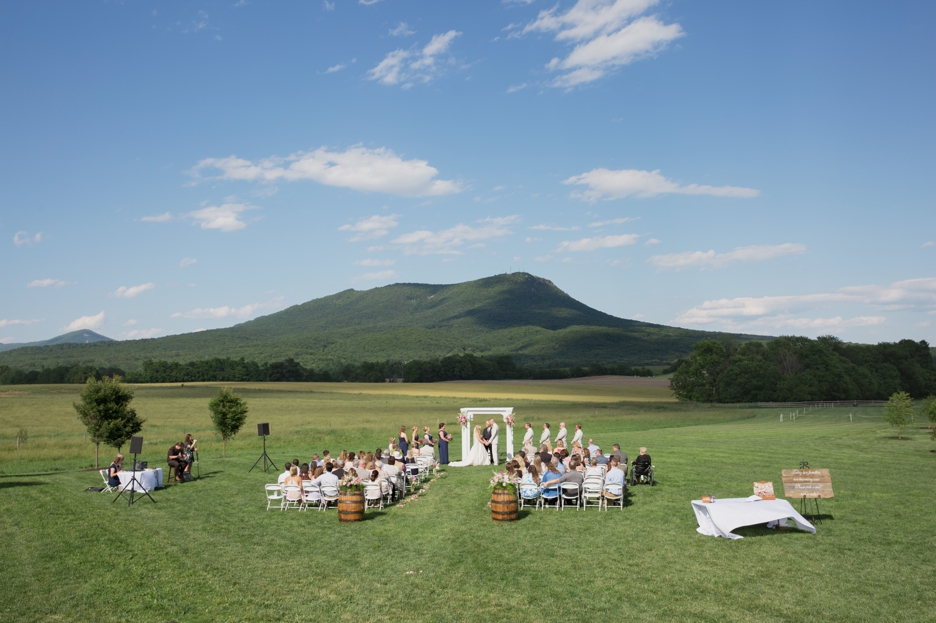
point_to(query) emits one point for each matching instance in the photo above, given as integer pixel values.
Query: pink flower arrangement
(463, 419)
(351, 482)
(509, 420)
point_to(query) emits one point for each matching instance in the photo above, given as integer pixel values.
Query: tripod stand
(267, 461)
(197, 465)
(132, 486)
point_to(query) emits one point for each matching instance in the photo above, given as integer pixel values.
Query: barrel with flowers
(503, 497)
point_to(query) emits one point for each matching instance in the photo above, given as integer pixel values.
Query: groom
(486, 439)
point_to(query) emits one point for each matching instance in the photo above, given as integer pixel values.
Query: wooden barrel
(503, 505)
(351, 506)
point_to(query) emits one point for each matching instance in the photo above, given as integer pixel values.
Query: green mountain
(75, 337)
(516, 314)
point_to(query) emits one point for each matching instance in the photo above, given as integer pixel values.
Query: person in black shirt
(642, 463)
(176, 459)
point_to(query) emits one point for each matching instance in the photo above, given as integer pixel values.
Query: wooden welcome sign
(807, 483)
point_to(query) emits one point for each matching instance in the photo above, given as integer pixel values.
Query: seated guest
(552, 474)
(328, 477)
(572, 475)
(545, 454)
(296, 463)
(642, 463)
(378, 454)
(592, 447)
(586, 456)
(115, 468)
(284, 475)
(390, 472)
(594, 470)
(326, 457)
(522, 456)
(620, 454)
(338, 471)
(602, 459)
(304, 472)
(557, 461)
(537, 463)
(343, 456)
(614, 479)
(531, 477)
(176, 459)
(316, 461)
(318, 471)
(293, 478)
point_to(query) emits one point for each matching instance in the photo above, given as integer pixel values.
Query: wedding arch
(467, 414)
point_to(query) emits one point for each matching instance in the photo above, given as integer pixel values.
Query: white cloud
(554, 228)
(607, 184)
(824, 323)
(123, 292)
(22, 238)
(373, 263)
(710, 259)
(159, 218)
(502, 220)
(225, 217)
(773, 311)
(7, 340)
(378, 276)
(45, 283)
(187, 261)
(140, 334)
(335, 68)
(328, 6)
(10, 323)
(85, 322)
(368, 2)
(614, 221)
(130, 323)
(408, 67)
(228, 312)
(607, 34)
(449, 241)
(926, 245)
(516, 87)
(402, 30)
(376, 226)
(598, 242)
(359, 168)
(652, 241)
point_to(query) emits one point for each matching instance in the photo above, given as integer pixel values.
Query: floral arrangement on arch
(351, 482)
(503, 480)
(509, 420)
(463, 419)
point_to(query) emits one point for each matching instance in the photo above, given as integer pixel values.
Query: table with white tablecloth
(722, 516)
(149, 478)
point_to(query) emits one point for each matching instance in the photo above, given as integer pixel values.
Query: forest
(465, 367)
(799, 368)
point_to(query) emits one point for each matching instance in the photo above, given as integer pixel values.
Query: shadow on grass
(21, 483)
(372, 514)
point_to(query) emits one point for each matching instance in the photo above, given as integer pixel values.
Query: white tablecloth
(724, 515)
(149, 478)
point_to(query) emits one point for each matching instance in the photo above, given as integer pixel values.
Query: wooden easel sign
(807, 483)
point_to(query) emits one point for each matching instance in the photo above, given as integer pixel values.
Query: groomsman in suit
(577, 437)
(563, 433)
(528, 437)
(486, 436)
(545, 436)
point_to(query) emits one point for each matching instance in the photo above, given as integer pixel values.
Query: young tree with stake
(228, 414)
(105, 411)
(899, 411)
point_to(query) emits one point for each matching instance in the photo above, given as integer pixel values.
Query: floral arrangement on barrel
(463, 419)
(503, 480)
(351, 482)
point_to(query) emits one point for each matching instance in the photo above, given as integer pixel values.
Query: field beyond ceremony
(209, 551)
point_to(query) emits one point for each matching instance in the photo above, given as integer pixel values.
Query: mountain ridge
(82, 336)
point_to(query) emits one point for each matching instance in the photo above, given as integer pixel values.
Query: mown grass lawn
(208, 551)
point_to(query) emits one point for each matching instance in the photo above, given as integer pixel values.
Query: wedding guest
(316, 461)
(444, 439)
(642, 463)
(378, 454)
(115, 468)
(552, 473)
(293, 478)
(176, 459)
(339, 471)
(326, 457)
(586, 456)
(531, 477)
(557, 462)
(572, 475)
(614, 479)
(304, 474)
(592, 447)
(344, 455)
(524, 462)
(318, 471)
(544, 437)
(284, 475)
(577, 437)
(403, 441)
(545, 453)
(414, 437)
(328, 476)
(537, 463)
(392, 446)
(620, 454)
(351, 461)
(593, 469)
(390, 472)
(602, 459)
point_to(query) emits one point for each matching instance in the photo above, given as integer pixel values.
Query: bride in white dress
(478, 454)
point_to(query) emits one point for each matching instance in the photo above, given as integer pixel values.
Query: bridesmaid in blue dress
(444, 439)
(403, 441)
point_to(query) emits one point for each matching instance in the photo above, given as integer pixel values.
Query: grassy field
(208, 551)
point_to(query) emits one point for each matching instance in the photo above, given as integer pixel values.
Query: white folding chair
(292, 497)
(530, 493)
(107, 487)
(373, 496)
(312, 494)
(614, 494)
(274, 493)
(568, 493)
(591, 492)
(556, 499)
(329, 496)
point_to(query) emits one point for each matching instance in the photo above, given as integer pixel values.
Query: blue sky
(755, 167)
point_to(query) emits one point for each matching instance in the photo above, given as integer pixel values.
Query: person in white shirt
(592, 448)
(528, 435)
(284, 475)
(327, 479)
(614, 479)
(562, 435)
(545, 436)
(389, 473)
(577, 437)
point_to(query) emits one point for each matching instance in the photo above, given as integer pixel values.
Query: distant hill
(517, 314)
(75, 337)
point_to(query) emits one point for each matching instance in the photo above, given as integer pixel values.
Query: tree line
(465, 367)
(791, 369)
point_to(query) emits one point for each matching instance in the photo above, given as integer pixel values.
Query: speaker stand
(267, 461)
(132, 485)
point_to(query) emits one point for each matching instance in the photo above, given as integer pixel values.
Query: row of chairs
(594, 491)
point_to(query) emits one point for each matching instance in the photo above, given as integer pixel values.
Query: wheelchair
(641, 478)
